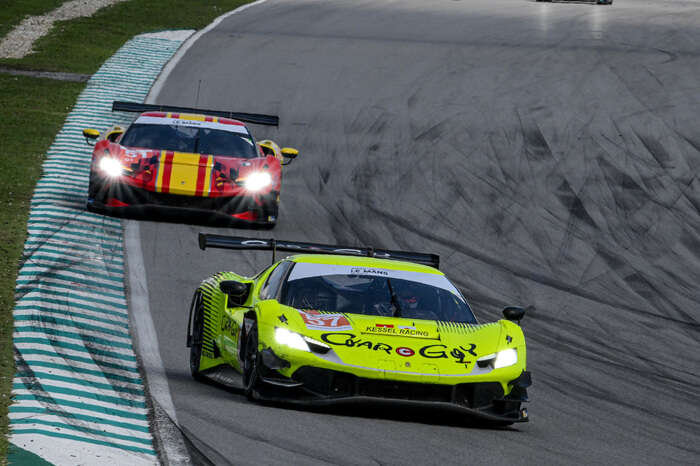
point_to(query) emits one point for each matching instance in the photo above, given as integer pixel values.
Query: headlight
(111, 167)
(257, 181)
(505, 358)
(296, 341)
(291, 339)
(498, 360)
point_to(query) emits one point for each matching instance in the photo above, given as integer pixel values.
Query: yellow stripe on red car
(206, 162)
(165, 165)
(185, 174)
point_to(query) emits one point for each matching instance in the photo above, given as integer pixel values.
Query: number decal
(314, 320)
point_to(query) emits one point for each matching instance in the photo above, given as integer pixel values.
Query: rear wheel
(251, 361)
(196, 335)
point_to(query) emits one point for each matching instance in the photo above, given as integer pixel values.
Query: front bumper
(317, 386)
(121, 199)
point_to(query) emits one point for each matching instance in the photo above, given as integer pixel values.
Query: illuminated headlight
(257, 181)
(498, 360)
(111, 167)
(296, 341)
(505, 358)
(291, 339)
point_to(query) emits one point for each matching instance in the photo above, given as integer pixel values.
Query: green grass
(83, 44)
(12, 12)
(34, 111)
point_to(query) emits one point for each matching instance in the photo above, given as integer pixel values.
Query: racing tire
(251, 362)
(197, 335)
(270, 210)
(95, 195)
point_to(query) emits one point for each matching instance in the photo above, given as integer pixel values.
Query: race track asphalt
(549, 152)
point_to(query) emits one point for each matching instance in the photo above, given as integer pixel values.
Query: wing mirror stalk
(513, 313)
(290, 154)
(90, 135)
(237, 292)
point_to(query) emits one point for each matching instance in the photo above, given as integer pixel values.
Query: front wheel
(269, 210)
(196, 335)
(251, 360)
(96, 194)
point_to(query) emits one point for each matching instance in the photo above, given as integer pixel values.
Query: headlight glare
(505, 358)
(111, 166)
(257, 181)
(291, 339)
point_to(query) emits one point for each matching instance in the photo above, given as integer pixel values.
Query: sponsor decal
(228, 325)
(351, 341)
(460, 353)
(402, 330)
(231, 127)
(429, 351)
(365, 271)
(314, 320)
(282, 318)
(433, 351)
(440, 351)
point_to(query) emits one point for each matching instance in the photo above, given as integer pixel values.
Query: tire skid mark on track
(446, 131)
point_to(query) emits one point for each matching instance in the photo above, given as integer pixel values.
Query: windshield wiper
(394, 299)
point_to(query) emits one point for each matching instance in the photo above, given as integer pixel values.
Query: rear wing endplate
(258, 119)
(274, 245)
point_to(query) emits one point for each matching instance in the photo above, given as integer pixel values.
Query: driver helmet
(408, 300)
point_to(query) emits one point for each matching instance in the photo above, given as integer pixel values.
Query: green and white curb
(78, 397)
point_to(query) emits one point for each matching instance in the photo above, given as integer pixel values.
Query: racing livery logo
(402, 330)
(314, 320)
(364, 271)
(437, 351)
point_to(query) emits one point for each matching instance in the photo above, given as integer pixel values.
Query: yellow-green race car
(336, 323)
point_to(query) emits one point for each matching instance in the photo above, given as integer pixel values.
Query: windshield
(375, 291)
(190, 139)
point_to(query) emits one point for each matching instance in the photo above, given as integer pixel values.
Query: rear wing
(258, 119)
(242, 243)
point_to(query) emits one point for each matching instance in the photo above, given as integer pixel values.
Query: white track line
(145, 336)
(168, 68)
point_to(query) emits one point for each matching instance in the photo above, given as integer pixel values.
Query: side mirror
(289, 153)
(90, 135)
(114, 134)
(513, 313)
(237, 292)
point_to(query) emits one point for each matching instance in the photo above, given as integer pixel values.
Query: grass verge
(34, 110)
(81, 45)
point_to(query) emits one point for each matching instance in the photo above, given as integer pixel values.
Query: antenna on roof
(196, 100)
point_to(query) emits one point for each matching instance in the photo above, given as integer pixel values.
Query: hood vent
(461, 328)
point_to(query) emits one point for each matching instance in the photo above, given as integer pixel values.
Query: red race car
(187, 161)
